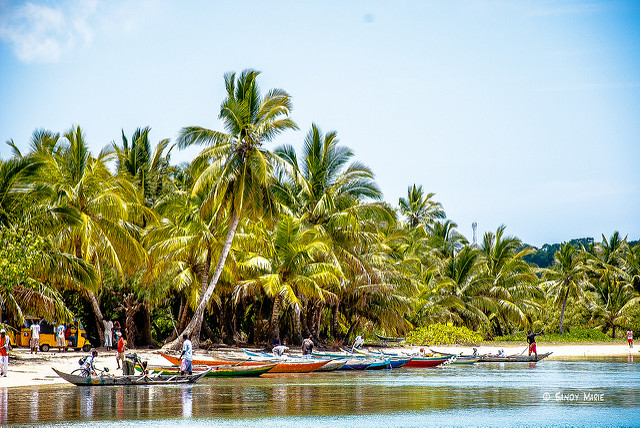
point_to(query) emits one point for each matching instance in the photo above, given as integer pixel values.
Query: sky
(522, 113)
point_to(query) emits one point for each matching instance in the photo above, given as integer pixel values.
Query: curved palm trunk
(195, 325)
(564, 305)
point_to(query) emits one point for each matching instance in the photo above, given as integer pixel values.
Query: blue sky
(524, 113)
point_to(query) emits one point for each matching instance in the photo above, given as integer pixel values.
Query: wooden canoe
(211, 362)
(417, 362)
(216, 371)
(106, 380)
(513, 358)
(280, 366)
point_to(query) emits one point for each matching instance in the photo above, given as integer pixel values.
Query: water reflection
(462, 389)
(4, 405)
(187, 402)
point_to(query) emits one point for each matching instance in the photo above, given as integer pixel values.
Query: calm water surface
(548, 393)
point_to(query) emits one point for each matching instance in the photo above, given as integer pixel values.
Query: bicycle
(96, 372)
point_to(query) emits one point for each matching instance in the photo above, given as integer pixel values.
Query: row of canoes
(257, 364)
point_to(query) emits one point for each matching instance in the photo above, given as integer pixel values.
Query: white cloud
(40, 33)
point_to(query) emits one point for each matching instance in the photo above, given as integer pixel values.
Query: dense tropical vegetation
(249, 242)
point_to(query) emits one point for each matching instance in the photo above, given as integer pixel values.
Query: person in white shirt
(358, 342)
(279, 350)
(108, 334)
(61, 342)
(187, 353)
(35, 337)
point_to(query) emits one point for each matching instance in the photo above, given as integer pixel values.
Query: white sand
(35, 369)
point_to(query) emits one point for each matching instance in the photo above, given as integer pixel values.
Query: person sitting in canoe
(87, 366)
(531, 338)
(475, 353)
(501, 353)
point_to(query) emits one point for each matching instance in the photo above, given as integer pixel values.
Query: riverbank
(27, 369)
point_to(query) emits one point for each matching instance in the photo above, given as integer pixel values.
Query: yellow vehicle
(76, 335)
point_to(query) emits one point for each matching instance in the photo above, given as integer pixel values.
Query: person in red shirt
(4, 352)
(121, 348)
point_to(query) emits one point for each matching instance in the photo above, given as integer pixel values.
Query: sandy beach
(27, 369)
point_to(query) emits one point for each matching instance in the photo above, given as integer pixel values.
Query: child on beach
(630, 338)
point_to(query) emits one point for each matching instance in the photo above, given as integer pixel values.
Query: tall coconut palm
(566, 278)
(240, 170)
(327, 188)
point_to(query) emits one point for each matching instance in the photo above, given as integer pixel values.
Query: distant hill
(543, 257)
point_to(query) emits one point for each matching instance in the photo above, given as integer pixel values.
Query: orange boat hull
(281, 367)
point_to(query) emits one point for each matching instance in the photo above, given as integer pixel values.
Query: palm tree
(15, 175)
(31, 273)
(240, 171)
(512, 282)
(613, 300)
(566, 278)
(150, 170)
(290, 270)
(86, 209)
(420, 209)
(460, 291)
(326, 188)
(323, 180)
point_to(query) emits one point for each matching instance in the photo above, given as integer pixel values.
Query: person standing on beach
(121, 348)
(187, 353)
(531, 338)
(307, 347)
(108, 334)
(630, 338)
(61, 341)
(5, 346)
(34, 343)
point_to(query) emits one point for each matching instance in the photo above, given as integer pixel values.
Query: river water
(574, 393)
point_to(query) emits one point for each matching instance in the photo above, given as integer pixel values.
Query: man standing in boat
(187, 353)
(531, 338)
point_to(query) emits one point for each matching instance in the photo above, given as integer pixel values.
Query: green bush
(575, 335)
(437, 334)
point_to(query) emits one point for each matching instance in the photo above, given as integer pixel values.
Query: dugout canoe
(217, 371)
(513, 358)
(420, 362)
(212, 362)
(280, 366)
(106, 380)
